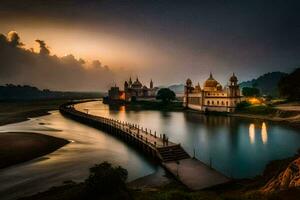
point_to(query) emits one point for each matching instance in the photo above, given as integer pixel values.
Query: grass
(258, 109)
(155, 105)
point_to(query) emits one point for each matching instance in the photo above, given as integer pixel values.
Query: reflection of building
(212, 97)
(132, 90)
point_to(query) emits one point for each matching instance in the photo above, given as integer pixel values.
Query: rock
(287, 179)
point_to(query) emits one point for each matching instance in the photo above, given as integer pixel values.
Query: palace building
(132, 90)
(212, 97)
(138, 91)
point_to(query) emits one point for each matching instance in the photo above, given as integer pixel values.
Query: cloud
(43, 48)
(14, 39)
(23, 66)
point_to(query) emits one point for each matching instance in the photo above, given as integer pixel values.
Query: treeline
(275, 84)
(26, 92)
(289, 85)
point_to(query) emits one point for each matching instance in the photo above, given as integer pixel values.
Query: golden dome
(210, 82)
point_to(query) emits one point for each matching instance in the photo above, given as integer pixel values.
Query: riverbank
(18, 147)
(13, 112)
(172, 189)
(280, 113)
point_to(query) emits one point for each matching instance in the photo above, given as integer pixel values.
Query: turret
(151, 84)
(233, 86)
(125, 85)
(130, 82)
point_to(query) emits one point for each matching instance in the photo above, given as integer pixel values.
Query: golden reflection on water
(264, 133)
(252, 133)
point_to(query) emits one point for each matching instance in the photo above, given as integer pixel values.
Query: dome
(188, 82)
(211, 82)
(137, 83)
(219, 86)
(233, 78)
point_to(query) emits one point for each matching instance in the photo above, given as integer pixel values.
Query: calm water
(88, 146)
(237, 147)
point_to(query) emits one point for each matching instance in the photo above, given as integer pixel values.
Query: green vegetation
(261, 109)
(289, 86)
(155, 105)
(250, 92)
(105, 182)
(267, 83)
(166, 95)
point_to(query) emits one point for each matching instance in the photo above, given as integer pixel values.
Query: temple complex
(213, 96)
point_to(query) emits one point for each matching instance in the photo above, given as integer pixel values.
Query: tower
(188, 87)
(234, 89)
(130, 82)
(125, 85)
(151, 84)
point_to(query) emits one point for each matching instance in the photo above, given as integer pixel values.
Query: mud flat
(17, 147)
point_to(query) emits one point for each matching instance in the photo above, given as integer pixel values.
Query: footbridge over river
(191, 172)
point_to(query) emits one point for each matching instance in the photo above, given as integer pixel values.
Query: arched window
(226, 103)
(223, 103)
(208, 102)
(217, 102)
(212, 102)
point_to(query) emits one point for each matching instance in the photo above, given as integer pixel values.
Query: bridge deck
(191, 172)
(195, 174)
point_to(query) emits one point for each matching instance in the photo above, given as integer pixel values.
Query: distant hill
(26, 92)
(177, 88)
(267, 83)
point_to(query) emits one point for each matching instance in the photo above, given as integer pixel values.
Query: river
(237, 147)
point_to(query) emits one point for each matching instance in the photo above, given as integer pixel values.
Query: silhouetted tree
(250, 91)
(105, 179)
(289, 85)
(166, 95)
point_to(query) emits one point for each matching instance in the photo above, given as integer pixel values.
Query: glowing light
(264, 133)
(254, 100)
(122, 95)
(252, 133)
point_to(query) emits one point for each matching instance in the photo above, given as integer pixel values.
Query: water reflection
(264, 133)
(231, 142)
(252, 133)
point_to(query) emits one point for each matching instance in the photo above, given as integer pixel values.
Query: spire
(151, 84)
(210, 75)
(130, 81)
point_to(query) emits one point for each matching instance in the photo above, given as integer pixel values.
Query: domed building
(138, 91)
(213, 96)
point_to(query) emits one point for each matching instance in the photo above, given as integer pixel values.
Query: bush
(166, 95)
(242, 105)
(106, 179)
(250, 91)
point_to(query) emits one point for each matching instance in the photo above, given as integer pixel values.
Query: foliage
(166, 95)
(250, 91)
(267, 83)
(289, 85)
(106, 179)
(242, 105)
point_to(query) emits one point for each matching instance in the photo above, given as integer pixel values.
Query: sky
(168, 41)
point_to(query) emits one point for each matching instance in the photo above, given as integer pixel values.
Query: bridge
(191, 172)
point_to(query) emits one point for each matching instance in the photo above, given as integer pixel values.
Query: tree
(250, 91)
(289, 85)
(166, 95)
(106, 179)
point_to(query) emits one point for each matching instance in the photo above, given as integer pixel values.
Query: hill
(25, 92)
(267, 83)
